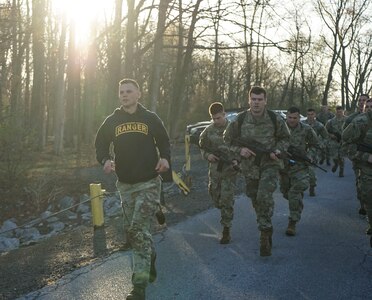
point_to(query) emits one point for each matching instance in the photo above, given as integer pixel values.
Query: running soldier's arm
(228, 137)
(312, 143)
(204, 143)
(161, 138)
(282, 136)
(102, 143)
(350, 137)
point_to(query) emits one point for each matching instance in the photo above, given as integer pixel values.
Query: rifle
(336, 134)
(298, 155)
(222, 159)
(253, 145)
(363, 147)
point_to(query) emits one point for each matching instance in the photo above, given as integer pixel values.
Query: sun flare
(84, 14)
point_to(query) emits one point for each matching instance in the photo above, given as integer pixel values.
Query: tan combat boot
(225, 236)
(266, 242)
(291, 229)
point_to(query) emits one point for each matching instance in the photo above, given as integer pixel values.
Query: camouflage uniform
(323, 118)
(140, 201)
(261, 175)
(221, 182)
(356, 170)
(335, 127)
(294, 178)
(360, 131)
(322, 135)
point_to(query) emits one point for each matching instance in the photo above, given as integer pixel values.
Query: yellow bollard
(187, 153)
(96, 195)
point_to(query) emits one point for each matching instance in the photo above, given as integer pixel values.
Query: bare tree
(114, 57)
(38, 50)
(340, 18)
(181, 76)
(59, 116)
(158, 50)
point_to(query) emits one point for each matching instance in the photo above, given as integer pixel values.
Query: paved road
(329, 258)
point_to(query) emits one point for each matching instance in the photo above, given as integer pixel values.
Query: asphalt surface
(329, 258)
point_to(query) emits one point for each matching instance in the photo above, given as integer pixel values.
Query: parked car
(194, 130)
(283, 114)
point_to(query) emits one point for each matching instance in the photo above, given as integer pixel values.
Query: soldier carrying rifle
(357, 144)
(222, 170)
(261, 173)
(295, 178)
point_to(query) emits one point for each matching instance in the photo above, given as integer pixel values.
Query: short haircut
(215, 108)
(257, 90)
(338, 107)
(293, 109)
(129, 80)
(310, 110)
(365, 95)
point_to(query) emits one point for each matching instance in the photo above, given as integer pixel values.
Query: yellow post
(187, 153)
(96, 194)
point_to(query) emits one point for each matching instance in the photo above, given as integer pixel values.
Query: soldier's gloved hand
(212, 158)
(275, 155)
(235, 165)
(246, 152)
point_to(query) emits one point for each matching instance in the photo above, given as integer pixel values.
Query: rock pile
(66, 216)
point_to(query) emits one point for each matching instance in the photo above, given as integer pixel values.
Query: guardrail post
(96, 194)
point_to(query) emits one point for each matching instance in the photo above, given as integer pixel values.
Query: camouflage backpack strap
(273, 117)
(237, 129)
(240, 119)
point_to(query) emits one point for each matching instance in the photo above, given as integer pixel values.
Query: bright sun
(84, 13)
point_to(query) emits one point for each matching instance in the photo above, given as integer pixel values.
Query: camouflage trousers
(261, 190)
(335, 150)
(140, 202)
(366, 193)
(221, 190)
(293, 183)
(312, 176)
(357, 174)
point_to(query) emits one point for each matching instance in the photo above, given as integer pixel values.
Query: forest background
(61, 60)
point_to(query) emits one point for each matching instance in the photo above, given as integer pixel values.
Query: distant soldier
(357, 143)
(261, 127)
(360, 108)
(368, 105)
(322, 135)
(334, 128)
(323, 116)
(294, 178)
(222, 175)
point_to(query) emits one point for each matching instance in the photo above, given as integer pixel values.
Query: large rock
(66, 202)
(28, 235)
(7, 230)
(7, 244)
(56, 227)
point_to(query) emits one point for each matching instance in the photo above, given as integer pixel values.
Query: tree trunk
(38, 50)
(59, 117)
(114, 59)
(181, 77)
(157, 60)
